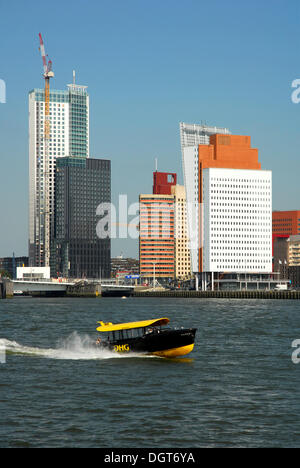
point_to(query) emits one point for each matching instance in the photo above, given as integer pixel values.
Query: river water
(238, 388)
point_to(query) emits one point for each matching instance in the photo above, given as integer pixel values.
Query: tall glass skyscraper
(69, 136)
(81, 186)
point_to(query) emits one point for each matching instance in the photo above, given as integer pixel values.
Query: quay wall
(293, 295)
(85, 290)
(6, 289)
(92, 290)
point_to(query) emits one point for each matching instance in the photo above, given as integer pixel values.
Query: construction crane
(45, 211)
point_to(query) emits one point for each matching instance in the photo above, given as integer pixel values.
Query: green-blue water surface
(239, 387)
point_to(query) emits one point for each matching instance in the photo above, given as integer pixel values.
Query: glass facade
(56, 95)
(79, 122)
(81, 185)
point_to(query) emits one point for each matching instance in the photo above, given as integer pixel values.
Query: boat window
(136, 332)
(152, 329)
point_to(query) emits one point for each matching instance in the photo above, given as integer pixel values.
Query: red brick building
(286, 223)
(163, 181)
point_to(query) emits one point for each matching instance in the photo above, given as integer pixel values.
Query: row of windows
(239, 192)
(242, 205)
(225, 267)
(221, 179)
(236, 230)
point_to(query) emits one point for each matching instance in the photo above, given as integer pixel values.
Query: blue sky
(150, 64)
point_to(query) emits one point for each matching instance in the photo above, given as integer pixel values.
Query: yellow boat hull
(175, 352)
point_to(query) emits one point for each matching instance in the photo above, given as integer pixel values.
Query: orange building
(229, 151)
(286, 223)
(157, 242)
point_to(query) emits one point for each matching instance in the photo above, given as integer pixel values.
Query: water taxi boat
(147, 337)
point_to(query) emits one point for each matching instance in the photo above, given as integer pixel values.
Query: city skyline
(147, 70)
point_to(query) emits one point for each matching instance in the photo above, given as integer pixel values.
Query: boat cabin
(131, 330)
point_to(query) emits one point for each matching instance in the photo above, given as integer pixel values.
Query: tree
(5, 274)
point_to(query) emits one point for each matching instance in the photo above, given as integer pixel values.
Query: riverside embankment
(295, 295)
(94, 290)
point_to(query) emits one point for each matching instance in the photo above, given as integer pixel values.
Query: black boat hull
(165, 343)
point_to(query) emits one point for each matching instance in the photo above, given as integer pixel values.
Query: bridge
(27, 287)
(81, 288)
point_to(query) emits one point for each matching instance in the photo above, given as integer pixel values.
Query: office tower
(291, 268)
(280, 255)
(293, 257)
(81, 186)
(286, 223)
(229, 201)
(182, 247)
(237, 220)
(196, 134)
(191, 136)
(69, 136)
(164, 247)
(157, 244)
(10, 265)
(286, 257)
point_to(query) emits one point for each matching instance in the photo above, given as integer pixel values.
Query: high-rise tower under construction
(69, 136)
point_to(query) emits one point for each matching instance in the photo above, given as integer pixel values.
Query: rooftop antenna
(156, 164)
(74, 77)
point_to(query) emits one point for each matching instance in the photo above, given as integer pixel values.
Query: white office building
(192, 135)
(237, 220)
(229, 213)
(33, 273)
(69, 136)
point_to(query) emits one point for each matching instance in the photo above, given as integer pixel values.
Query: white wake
(74, 347)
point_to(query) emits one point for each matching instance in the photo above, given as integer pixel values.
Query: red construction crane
(45, 208)
(48, 73)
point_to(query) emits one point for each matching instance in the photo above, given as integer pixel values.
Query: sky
(148, 65)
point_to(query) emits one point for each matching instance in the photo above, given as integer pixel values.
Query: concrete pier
(6, 289)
